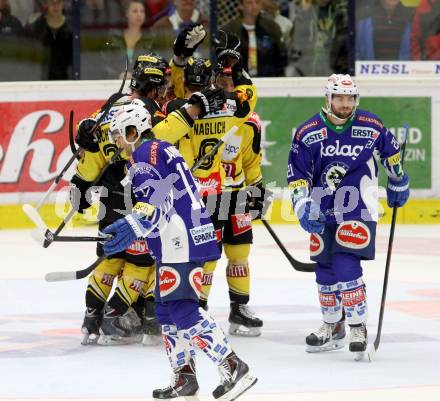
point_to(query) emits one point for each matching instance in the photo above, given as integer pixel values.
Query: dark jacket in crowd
(271, 49)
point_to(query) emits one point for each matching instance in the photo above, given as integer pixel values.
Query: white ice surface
(41, 356)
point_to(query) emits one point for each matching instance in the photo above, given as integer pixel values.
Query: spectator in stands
(132, 40)
(9, 25)
(54, 31)
(319, 46)
(167, 27)
(383, 31)
(272, 8)
(262, 44)
(425, 36)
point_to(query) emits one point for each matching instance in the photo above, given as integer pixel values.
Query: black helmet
(198, 71)
(150, 70)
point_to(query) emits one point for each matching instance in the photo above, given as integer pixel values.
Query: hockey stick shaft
(388, 262)
(296, 264)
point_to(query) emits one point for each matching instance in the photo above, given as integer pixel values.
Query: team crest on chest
(333, 174)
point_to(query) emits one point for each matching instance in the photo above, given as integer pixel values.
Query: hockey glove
(398, 191)
(85, 136)
(226, 46)
(78, 194)
(309, 215)
(259, 201)
(125, 231)
(187, 41)
(209, 100)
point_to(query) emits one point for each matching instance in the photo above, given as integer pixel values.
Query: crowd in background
(278, 37)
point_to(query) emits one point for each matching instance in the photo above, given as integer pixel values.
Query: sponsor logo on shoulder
(203, 234)
(364, 133)
(315, 136)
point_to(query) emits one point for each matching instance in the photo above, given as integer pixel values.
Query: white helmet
(340, 84)
(133, 114)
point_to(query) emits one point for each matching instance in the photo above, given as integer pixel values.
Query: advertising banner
(280, 116)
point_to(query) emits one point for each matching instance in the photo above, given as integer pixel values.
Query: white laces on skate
(246, 311)
(357, 334)
(325, 331)
(225, 372)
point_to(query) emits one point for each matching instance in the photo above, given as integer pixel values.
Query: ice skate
(90, 327)
(120, 329)
(151, 330)
(183, 384)
(243, 321)
(358, 341)
(235, 379)
(329, 337)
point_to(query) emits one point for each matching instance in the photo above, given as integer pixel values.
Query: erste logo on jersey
(315, 136)
(364, 133)
(353, 234)
(169, 280)
(203, 234)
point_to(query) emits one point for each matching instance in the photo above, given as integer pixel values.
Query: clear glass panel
(35, 40)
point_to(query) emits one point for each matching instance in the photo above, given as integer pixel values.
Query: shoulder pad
(312, 123)
(254, 120)
(370, 119)
(173, 105)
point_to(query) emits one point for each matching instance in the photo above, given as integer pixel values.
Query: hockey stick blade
(33, 214)
(371, 352)
(73, 275)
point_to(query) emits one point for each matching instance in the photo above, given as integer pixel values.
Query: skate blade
(243, 385)
(243, 331)
(89, 339)
(117, 340)
(332, 346)
(194, 397)
(359, 356)
(150, 340)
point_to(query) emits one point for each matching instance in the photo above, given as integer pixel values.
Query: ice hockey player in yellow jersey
(130, 311)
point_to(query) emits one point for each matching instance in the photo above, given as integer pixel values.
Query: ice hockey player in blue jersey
(333, 177)
(172, 217)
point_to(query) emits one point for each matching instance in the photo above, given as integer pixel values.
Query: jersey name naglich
(209, 127)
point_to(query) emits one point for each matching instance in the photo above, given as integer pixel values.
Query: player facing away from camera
(170, 214)
(332, 174)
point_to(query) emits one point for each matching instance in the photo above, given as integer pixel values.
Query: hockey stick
(374, 347)
(46, 234)
(296, 264)
(73, 275)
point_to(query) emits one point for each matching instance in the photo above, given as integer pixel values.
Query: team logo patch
(327, 300)
(354, 297)
(241, 223)
(200, 342)
(316, 245)
(138, 248)
(169, 280)
(364, 133)
(137, 285)
(333, 174)
(203, 234)
(107, 279)
(207, 279)
(353, 234)
(195, 279)
(315, 136)
(237, 270)
(177, 242)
